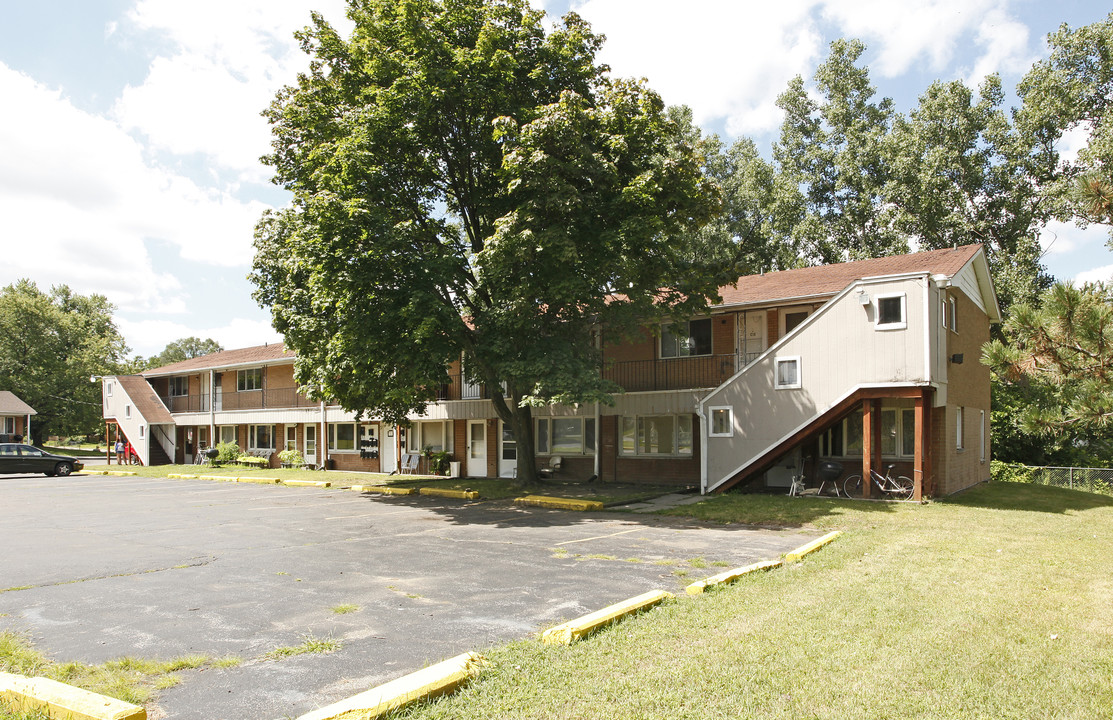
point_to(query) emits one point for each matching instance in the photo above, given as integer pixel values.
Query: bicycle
(900, 487)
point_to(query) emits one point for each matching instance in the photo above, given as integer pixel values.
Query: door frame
(476, 465)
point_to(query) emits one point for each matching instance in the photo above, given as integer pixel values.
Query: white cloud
(150, 337)
(80, 203)
(222, 66)
(1101, 274)
(727, 60)
(1005, 43)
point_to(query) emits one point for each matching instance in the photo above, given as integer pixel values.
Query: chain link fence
(1095, 480)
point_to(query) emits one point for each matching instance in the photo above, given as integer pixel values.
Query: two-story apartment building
(863, 363)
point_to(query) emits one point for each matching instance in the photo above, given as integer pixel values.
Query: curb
(259, 480)
(434, 680)
(573, 630)
(557, 503)
(306, 483)
(109, 472)
(444, 492)
(59, 700)
(730, 576)
(811, 547)
(384, 489)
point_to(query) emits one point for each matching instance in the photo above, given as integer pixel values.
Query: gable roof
(10, 404)
(145, 400)
(257, 355)
(825, 280)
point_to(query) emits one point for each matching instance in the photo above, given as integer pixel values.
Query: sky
(130, 130)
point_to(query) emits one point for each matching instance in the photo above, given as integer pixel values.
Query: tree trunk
(520, 421)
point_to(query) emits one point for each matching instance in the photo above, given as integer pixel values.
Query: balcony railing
(271, 398)
(685, 373)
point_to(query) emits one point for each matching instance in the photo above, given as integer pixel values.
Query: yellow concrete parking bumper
(730, 576)
(384, 489)
(573, 630)
(308, 483)
(19, 694)
(430, 682)
(447, 493)
(811, 547)
(558, 503)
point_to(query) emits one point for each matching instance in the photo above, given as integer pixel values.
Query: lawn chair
(552, 468)
(409, 463)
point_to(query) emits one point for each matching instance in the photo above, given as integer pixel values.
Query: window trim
(178, 391)
(729, 410)
(982, 434)
(331, 440)
(784, 312)
(960, 429)
(825, 438)
(585, 435)
(898, 325)
(687, 325)
(289, 444)
(251, 437)
(784, 360)
(235, 433)
(638, 452)
(241, 376)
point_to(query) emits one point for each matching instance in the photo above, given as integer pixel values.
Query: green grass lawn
(995, 604)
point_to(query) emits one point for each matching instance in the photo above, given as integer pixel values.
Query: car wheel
(62, 469)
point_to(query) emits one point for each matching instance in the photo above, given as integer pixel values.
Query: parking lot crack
(193, 562)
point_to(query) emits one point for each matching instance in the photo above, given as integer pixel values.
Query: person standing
(119, 451)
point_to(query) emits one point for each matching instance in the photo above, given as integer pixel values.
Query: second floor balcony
(683, 373)
(270, 398)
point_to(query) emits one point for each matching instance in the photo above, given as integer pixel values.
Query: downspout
(212, 409)
(928, 327)
(597, 467)
(322, 441)
(702, 447)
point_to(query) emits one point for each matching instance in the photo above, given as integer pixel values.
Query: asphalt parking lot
(111, 566)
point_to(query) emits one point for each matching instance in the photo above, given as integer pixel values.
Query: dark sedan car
(16, 458)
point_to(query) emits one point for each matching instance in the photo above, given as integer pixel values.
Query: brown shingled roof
(145, 400)
(830, 279)
(272, 352)
(10, 404)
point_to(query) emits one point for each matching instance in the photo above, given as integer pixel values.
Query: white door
(753, 336)
(388, 458)
(477, 448)
(508, 453)
(310, 451)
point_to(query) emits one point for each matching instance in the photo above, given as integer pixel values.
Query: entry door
(310, 451)
(753, 336)
(477, 448)
(388, 458)
(508, 452)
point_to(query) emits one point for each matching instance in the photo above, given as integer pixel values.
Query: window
(291, 437)
(260, 437)
(686, 339)
(565, 436)
(722, 422)
(960, 430)
(890, 313)
(657, 435)
(792, 319)
(249, 379)
(127, 411)
(509, 444)
(981, 439)
(108, 388)
(949, 313)
(429, 435)
(898, 435)
(342, 436)
(788, 372)
(179, 386)
(954, 314)
(142, 428)
(9, 425)
(228, 434)
(310, 441)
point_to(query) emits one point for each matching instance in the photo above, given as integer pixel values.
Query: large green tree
(1059, 358)
(50, 345)
(468, 186)
(1072, 91)
(184, 349)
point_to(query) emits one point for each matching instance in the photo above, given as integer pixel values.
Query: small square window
(722, 422)
(890, 312)
(788, 372)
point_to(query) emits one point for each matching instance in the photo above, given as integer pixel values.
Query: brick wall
(968, 387)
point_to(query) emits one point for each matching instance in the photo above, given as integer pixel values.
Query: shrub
(291, 457)
(252, 460)
(227, 452)
(438, 461)
(1009, 472)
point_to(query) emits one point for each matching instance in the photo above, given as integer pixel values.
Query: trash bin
(454, 468)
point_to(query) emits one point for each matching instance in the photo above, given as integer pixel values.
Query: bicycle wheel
(905, 487)
(852, 486)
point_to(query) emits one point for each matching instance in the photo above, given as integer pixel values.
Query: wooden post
(929, 455)
(867, 447)
(918, 454)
